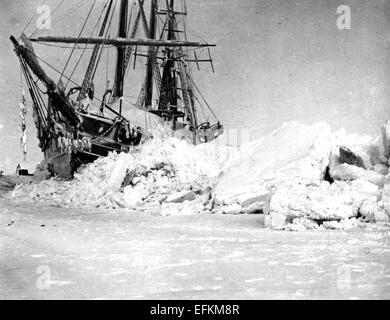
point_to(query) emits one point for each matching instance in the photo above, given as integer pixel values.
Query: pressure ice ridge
(299, 176)
(305, 177)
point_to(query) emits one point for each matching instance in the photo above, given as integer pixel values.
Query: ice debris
(163, 175)
(299, 176)
(305, 177)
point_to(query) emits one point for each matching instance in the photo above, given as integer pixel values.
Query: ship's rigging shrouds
(122, 63)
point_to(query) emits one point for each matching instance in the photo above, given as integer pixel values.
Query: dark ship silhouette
(75, 127)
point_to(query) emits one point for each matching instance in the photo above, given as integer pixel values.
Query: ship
(75, 125)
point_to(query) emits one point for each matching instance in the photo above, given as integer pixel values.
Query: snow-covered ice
(298, 174)
(111, 254)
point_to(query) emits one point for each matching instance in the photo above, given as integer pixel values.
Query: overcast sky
(275, 61)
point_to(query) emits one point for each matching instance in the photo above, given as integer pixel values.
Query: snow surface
(282, 175)
(111, 254)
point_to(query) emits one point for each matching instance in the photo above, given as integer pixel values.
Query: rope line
(71, 10)
(81, 31)
(86, 45)
(29, 22)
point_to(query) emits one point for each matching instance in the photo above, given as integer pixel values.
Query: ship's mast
(168, 86)
(171, 36)
(129, 49)
(151, 54)
(88, 78)
(121, 51)
(175, 88)
(176, 58)
(175, 71)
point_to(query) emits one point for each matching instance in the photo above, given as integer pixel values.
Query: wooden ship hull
(63, 156)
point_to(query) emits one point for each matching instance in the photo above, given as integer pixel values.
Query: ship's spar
(69, 130)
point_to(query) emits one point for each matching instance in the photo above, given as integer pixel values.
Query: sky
(275, 61)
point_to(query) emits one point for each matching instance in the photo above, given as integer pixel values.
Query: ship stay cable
(77, 6)
(29, 22)
(81, 31)
(97, 52)
(86, 45)
(104, 47)
(130, 16)
(107, 65)
(37, 97)
(132, 32)
(74, 82)
(200, 93)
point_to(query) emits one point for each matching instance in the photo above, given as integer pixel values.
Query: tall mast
(121, 51)
(171, 36)
(169, 86)
(187, 94)
(171, 22)
(88, 78)
(129, 49)
(151, 55)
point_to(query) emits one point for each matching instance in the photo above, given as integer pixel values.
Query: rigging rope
(81, 31)
(200, 93)
(29, 22)
(71, 10)
(108, 59)
(102, 45)
(86, 45)
(59, 72)
(130, 16)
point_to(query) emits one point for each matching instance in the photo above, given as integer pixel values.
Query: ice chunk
(181, 196)
(294, 152)
(234, 208)
(132, 197)
(348, 172)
